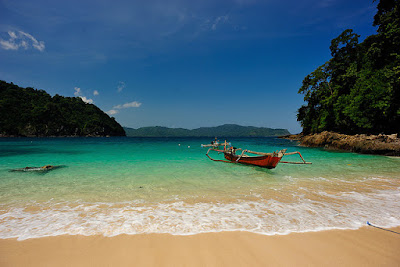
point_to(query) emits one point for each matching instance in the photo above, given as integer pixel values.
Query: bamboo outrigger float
(264, 160)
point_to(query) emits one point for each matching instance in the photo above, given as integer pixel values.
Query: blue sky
(177, 63)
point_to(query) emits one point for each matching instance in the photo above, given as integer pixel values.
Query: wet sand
(367, 246)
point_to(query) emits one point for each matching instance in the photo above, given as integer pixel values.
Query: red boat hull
(267, 161)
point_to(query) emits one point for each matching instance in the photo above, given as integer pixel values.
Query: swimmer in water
(47, 167)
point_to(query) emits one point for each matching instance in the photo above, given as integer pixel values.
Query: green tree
(30, 112)
(358, 89)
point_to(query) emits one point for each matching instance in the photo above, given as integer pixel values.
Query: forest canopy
(358, 89)
(31, 112)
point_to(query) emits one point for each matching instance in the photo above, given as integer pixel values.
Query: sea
(122, 185)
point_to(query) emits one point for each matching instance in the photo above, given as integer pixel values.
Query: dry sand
(367, 246)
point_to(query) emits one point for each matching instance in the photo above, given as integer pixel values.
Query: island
(226, 130)
(34, 113)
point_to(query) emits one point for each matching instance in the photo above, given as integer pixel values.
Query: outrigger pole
(292, 153)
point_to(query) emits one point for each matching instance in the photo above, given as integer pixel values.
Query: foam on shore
(349, 210)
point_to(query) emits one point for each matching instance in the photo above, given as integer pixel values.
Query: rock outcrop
(361, 143)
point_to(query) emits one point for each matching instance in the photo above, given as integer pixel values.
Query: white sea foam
(266, 216)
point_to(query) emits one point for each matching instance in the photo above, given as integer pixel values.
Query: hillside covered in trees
(358, 89)
(227, 130)
(31, 112)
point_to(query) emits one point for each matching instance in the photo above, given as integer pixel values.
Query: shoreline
(386, 145)
(367, 246)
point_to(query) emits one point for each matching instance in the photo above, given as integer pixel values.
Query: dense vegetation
(358, 89)
(30, 112)
(227, 130)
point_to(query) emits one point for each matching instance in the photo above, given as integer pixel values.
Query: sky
(177, 63)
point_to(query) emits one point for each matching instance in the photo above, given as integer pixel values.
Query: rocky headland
(28, 112)
(381, 144)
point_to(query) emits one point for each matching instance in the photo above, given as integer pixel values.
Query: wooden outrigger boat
(264, 160)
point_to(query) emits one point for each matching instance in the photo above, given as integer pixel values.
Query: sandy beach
(367, 246)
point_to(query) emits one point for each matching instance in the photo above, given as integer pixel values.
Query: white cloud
(35, 43)
(115, 109)
(121, 86)
(214, 23)
(133, 104)
(12, 35)
(112, 112)
(95, 92)
(23, 40)
(78, 93)
(24, 45)
(86, 100)
(39, 46)
(219, 20)
(7, 45)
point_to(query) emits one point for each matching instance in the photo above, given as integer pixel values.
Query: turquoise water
(113, 186)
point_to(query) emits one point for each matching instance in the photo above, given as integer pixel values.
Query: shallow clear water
(113, 186)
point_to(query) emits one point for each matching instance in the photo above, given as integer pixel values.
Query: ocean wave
(348, 210)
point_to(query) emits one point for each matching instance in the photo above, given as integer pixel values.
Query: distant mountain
(226, 130)
(31, 112)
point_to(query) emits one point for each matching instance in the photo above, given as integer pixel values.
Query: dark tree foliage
(30, 112)
(358, 89)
